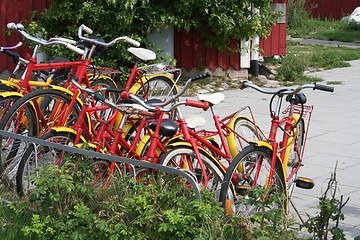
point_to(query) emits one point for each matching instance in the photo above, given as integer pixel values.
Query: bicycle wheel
(250, 169)
(156, 87)
(295, 155)
(183, 157)
(6, 101)
(105, 82)
(32, 115)
(26, 124)
(247, 131)
(40, 156)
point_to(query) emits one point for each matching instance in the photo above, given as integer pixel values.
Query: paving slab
(334, 139)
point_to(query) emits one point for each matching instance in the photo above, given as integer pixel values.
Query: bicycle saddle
(213, 98)
(168, 127)
(142, 53)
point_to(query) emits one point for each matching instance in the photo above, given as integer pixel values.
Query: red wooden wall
(335, 9)
(274, 44)
(190, 52)
(16, 11)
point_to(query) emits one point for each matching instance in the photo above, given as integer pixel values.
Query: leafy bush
(292, 67)
(217, 21)
(64, 206)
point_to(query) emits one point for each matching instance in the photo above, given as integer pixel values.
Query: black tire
(183, 157)
(241, 175)
(22, 118)
(42, 157)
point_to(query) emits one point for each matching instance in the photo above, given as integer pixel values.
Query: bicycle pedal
(243, 189)
(305, 183)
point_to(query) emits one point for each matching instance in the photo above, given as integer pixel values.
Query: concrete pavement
(334, 139)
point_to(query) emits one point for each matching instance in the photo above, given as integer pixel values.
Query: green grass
(302, 25)
(324, 29)
(334, 83)
(303, 57)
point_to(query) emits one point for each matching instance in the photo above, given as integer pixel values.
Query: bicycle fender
(88, 145)
(66, 91)
(9, 84)
(68, 130)
(231, 136)
(184, 144)
(7, 94)
(140, 147)
(104, 77)
(137, 85)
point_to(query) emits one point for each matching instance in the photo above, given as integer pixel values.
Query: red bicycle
(272, 164)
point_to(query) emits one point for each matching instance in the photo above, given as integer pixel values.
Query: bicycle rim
(248, 172)
(183, 157)
(40, 156)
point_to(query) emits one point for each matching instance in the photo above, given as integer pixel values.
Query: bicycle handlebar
(125, 95)
(323, 87)
(63, 41)
(15, 56)
(285, 91)
(96, 42)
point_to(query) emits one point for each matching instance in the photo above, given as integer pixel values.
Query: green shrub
(63, 206)
(292, 67)
(217, 21)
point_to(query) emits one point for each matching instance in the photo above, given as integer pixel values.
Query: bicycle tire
(183, 157)
(250, 169)
(247, 129)
(22, 118)
(44, 157)
(6, 101)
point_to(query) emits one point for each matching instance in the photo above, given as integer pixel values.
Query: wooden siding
(190, 52)
(274, 44)
(335, 9)
(16, 11)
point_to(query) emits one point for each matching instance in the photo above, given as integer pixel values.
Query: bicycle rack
(110, 158)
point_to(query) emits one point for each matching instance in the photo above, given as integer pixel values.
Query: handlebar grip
(15, 57)
(243, 85)
(323, 87)
(99, 97)
(132, 41)
(125, 95)
(192, 103)
(201, 76)
(115, 90)
(75, 49)
(87, 29)
(11, 25)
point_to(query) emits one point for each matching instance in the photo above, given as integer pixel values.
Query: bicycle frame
(281, 149)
